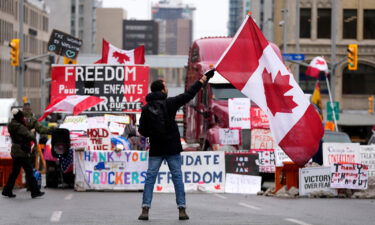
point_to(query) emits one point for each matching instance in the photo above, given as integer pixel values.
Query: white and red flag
(317, 65)
(252, 65)
(73, 104)
(113, 55)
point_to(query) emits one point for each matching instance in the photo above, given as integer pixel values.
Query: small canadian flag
(113, 55)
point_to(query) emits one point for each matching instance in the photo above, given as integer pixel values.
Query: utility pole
(297, 36)
(20, 83)
(285, 30)
(333, 59)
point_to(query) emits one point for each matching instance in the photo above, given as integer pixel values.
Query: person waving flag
(252, 65)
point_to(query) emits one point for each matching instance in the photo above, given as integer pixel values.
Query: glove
(209, 74)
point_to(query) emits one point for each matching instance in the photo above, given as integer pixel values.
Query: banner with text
(340, 153)
(315, 179)
(259, 118)
(107, 170)
(201, 171)
(349, 175)
(241, 163)
(123, 88)
(367, 157)
(239, 113)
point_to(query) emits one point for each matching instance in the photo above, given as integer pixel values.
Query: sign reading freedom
(123, 88)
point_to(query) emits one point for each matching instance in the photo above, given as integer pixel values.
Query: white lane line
(249, 206)
(220, 196)
(69, 197)
(56, 215)
(296, 221)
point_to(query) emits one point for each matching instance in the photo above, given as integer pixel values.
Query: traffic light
(371, 104)
(69, 61)
(352, 56)
(14, 52)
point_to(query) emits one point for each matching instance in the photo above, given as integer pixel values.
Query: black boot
(8, 194)
(144, 214)
(182, 214)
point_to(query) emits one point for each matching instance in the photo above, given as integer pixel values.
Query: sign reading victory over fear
(123, 88)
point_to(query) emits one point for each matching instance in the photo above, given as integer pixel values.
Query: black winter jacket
(170, 144)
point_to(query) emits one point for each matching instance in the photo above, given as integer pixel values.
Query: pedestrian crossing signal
(352, 56)
(14, 52)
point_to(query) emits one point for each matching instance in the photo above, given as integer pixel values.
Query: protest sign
(349, 175)
(242, 184)
(76, 123)
(123, 88)
(125, 119)
(99, 139)
(340, 152)
(116, 128)
(107, 170)
(201, 171)
(367, 157)
(64, 44)
(229, 136)
(241, 163)
(281, 157)
(314, 179)
(259, 119)
(262, 139)
(266, 160)
(239, 113)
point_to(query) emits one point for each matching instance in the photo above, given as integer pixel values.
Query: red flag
(252, 65)
(317, 65)
(114, 55)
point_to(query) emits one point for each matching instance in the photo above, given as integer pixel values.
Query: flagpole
(332, 106)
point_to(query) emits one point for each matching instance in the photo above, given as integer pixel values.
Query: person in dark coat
(20, 152)
(166, 145)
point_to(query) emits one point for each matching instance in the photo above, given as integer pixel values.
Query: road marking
(296, 221)
(220, 196)
(68, 197)
(248, 206)
(56, 215)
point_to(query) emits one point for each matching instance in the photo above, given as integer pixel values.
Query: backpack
(157, 118)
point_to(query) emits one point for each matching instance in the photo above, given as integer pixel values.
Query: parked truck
(208, 111)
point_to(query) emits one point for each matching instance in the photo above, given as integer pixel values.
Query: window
(305, 23)
(349, 28)
(364, 80)
(369, 24)
(324, 23)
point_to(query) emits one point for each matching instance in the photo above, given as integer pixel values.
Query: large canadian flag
(252, 66)
(113, 55)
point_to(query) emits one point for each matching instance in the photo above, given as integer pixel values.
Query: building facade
(355, 24)
(36, 36)
(141, 32)
(175, 21)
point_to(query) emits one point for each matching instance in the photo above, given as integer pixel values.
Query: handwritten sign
(340, 152)
(262, 139)
(259, 119)
(102, 170)
(64, 44)
(75, 123)
(241, 163)
(349, 175)
(117, 119)
(239, 113)
(201, 171)
(314, 179)
(99, 139)
(266, 161)
(242, 184)
(367, 157)
(281, 157)
(229, 136)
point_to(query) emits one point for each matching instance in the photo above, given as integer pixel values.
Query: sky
(210, 16)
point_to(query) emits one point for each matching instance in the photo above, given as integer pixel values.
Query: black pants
(30, 179)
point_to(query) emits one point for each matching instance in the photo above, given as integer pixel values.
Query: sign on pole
(336, 109)
(64, 44)
(292, 56)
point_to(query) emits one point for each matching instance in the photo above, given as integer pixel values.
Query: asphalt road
(65, 206)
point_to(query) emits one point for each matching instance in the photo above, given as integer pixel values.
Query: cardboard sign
(99, 139)
(281, 157)
(266, 161)
(117, 119)
(79, 143)
(242, 184)
(262, 139)
(349, 175)
(123, 88)
(201, 171)
(239, 113)
(64, 44)
(241, 163)
(340, 152)
(367, 157)
(75, 123)
(99, 170)
(116, 128)
(259, 119)
(314, 179)
(229, 136)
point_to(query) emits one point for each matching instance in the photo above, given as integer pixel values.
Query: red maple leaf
(121, 58)
(275, 93)
(320, 62)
